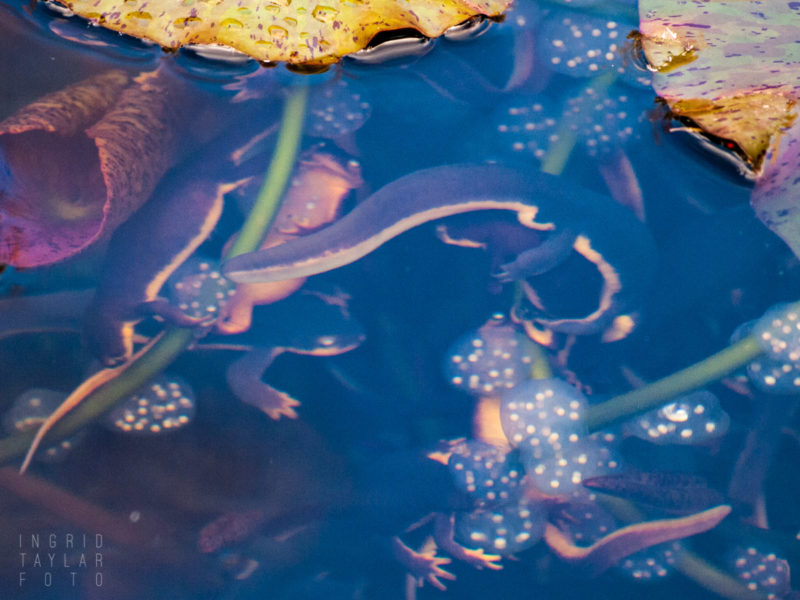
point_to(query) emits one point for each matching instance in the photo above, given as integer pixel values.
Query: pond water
(294, 432)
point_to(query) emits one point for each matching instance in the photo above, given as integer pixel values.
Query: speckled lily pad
(307, 32)
(731, 66)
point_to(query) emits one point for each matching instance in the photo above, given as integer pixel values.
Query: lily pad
(731, 67)
(309, 32)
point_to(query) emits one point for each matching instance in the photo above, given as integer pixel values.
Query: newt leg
(244, 379)
(423, 566)
(161, 307)
(444, 532)
(541, 259)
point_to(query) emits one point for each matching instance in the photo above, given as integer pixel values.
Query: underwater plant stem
(660, 392)
(706, 575)
(278, 173)
(176, 339)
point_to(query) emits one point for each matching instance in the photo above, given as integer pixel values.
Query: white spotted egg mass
(503, 530)
(560, 469)
(199, 289)
(542, 411)
(526, 127)
(581, 45)
(695, 418)
(488, 361)
(584, 522)
(336, 108)
(778, 332)
(486, 473)
(165, 404)
(29, 411)
(651, 563)
(603, 121)
(761, 570)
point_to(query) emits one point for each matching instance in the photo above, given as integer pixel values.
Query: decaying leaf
(311, 32)
(77, 162)
(730, 66)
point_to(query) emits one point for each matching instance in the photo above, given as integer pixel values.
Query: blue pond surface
(506, 207)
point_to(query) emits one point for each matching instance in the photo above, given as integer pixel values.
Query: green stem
(278, 173)
(706, 575)
(176, 339)
(659, 392)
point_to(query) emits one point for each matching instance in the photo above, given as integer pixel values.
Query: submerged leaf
(78, 162)
(300, 32)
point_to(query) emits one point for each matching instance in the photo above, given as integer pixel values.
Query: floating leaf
(732, 68)
(308, 32)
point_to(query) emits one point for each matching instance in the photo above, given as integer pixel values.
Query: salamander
(574, 220)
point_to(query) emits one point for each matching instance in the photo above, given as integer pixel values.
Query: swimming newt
(313, 199)
(606, 234)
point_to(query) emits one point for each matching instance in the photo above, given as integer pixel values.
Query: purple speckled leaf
(733, 68)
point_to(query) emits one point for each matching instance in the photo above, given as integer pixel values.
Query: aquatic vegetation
(748, 102)
(305, 33)
(570, 266)
(102, 145)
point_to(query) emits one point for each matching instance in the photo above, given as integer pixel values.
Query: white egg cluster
(585, 522)
(691, 419)
(581, 45)
(336, 108)
(488, 361)
(761, 570)
(199, 289)
(165, 404)
(560, 469)
(527, 127)
(29, 410)
(651, 563)
(602, 121)
(543, 411)
(778, 333)
(486, 473)
(504, 530)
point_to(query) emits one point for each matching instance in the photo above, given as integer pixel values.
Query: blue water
(334, 485)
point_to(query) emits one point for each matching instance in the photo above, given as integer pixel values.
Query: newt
(145, 251)
(571, 218)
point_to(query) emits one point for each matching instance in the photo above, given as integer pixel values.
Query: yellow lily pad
(308, 32)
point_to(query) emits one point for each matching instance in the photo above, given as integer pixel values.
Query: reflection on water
(416, 398)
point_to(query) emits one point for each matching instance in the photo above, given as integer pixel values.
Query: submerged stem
(176, 339)
(659, 392)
